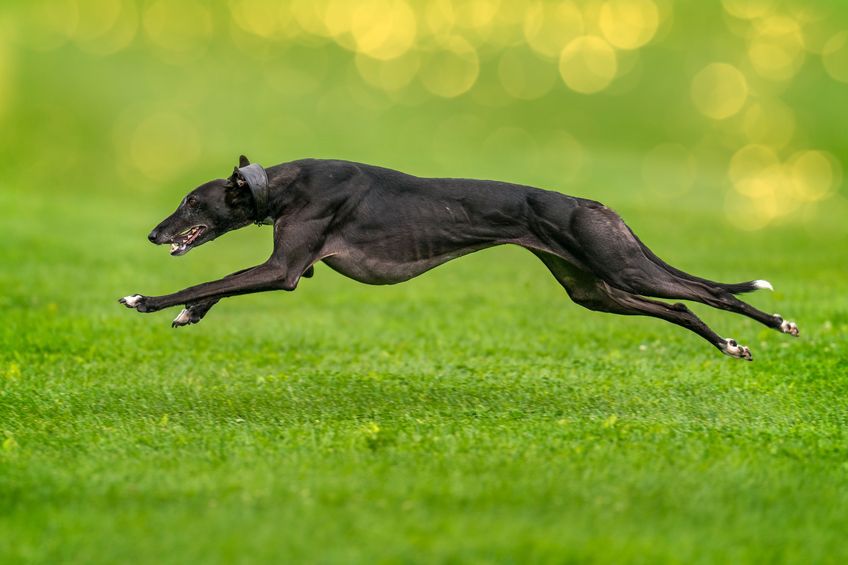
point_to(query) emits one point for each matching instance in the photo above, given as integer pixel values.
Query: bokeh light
(180, 30)
(106, 27)
(812, 174)
(263, 18)
(628, 24)
(769, 122)
(748, 9)
(835, 56)
(48, 24)
(776, 49)
(550, 26)
(719, 90)
(451, 69)
(388, 75)
(96, 18)
(524, 75)
(588, 64)
(753, 169)
(310, 16)
(383, 29)
(678, 95)
(440, 19)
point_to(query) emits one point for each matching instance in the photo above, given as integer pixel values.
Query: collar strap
(257, 180)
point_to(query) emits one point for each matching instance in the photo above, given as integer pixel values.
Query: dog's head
(208, 211)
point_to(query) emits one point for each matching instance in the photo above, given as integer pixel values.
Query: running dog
(380, 226)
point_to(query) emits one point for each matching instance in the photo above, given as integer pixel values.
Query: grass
(471, 415)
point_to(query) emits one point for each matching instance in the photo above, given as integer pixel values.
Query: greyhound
(380, 226)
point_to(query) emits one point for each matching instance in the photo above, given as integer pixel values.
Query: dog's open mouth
(181, 242)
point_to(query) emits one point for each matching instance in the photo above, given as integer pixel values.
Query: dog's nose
(153, 235)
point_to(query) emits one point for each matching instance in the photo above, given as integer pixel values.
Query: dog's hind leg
(616, 255)
(590, 292)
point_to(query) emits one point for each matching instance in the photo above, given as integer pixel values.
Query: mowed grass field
(472, 415)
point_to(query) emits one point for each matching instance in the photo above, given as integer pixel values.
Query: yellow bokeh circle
(550, 26)
(383, 29)
(719, 90)
(439, 19)
(628, 24)
(776, 50)
(835, 56)
(259, 17)
(391, 75)
(812, 174)
(769, 122)
(451, 69)
(588, 64)
(748, 9)
(753, 170)
(113, 29)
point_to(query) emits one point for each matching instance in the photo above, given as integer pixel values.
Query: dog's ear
(243, 161)
(237, 192)
(236, 179)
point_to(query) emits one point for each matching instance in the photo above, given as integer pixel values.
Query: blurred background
(738, 105)
(717, 130)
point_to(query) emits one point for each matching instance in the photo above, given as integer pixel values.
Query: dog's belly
(367, 269)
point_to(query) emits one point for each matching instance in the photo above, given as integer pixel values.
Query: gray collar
(257, 180)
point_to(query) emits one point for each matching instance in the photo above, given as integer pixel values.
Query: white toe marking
(132, 300)
(788, 327)
(761, 284)
(733, 349)
(183, 317)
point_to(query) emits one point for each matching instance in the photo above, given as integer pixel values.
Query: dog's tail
(733, 288)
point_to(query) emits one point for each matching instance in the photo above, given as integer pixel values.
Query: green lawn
(474, 414)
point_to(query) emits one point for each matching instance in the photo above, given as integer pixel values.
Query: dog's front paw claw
(787, 327)
(733, 349)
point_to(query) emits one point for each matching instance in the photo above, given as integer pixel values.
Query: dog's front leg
(268, 276)
(195, 311)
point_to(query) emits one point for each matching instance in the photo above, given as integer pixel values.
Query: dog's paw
(193, 313)
(131, 301)
(184, 318)
(733, 349)
(138, 302)
(787, 327)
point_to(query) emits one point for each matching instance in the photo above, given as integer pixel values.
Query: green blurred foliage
(152, 97)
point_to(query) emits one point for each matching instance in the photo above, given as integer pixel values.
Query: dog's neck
(279, 191)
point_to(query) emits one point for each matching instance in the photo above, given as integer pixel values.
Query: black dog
(380, 226)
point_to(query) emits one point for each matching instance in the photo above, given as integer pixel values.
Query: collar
(257, 180)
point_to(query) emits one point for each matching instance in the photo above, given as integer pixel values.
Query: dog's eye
(191, 201)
